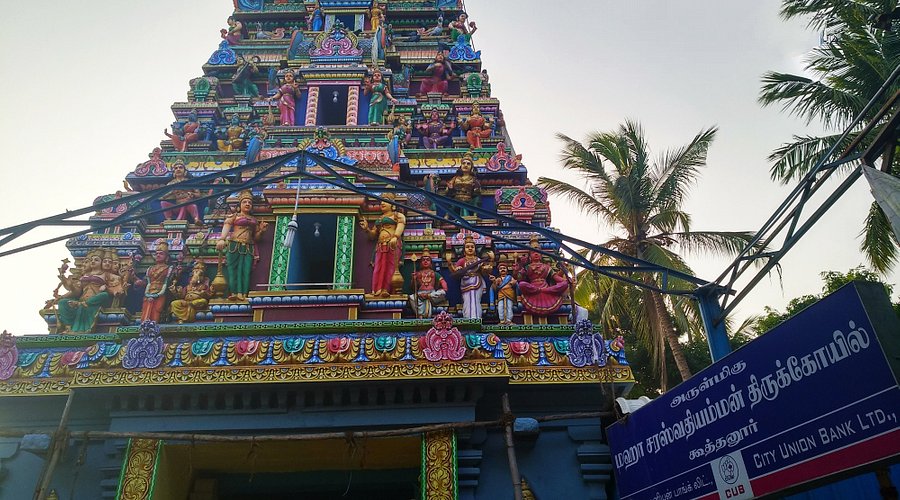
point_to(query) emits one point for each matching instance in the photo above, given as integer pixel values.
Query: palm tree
(640, 200)
(853, 61)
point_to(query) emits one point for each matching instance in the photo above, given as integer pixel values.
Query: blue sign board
(815, 396)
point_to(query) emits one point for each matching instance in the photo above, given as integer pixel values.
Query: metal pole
(57, 445)
(713, 321)
(511, 449)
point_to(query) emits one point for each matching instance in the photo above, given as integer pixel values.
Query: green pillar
(281, 255)
(343, 252)
(439, 475)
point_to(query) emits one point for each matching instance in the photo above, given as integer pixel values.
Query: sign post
(814, 397)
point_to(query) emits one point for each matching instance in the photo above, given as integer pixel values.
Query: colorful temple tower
(237, 326)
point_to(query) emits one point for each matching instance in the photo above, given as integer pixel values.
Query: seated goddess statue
(542, 287)
(89, 289)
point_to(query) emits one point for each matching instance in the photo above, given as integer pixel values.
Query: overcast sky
(87, 86)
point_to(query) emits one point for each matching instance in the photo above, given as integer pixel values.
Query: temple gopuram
(331, 278)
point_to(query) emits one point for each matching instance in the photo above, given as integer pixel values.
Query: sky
(88, 85)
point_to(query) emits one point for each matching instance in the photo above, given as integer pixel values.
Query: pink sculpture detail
(503, 160)
(71, 358)
(9, 355)
(246, 347)
(520, 348)
(523, 206)
(338, 345)
(443, 340)
(154, 166)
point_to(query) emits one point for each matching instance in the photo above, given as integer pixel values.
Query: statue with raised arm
(387, 231)
(375, 87)
(240, 232)
(185, 133)
(287, 95)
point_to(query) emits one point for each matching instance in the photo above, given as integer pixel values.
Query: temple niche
(234, 268)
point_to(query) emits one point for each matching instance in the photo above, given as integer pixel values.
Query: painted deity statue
(387, 231)
(193, 297)
(178, 196)
(317, 19)
(240, 232)
(503, 293)
(435, 133)
(234, 136)
(287, 95)
(242, 83)
(376, 16)
(398, 137)
(185, 133)
(477, 127)
(462, 28)
(156, 284)
(258, 135)
(471, 272)
(439, 74)
(380, 97)
(232, 34)
(89, 289)
(464, 187)
(543, 288)
(430, 289)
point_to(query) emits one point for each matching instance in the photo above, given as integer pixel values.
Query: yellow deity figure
(233, 139)
(465, 186)
(193, 297)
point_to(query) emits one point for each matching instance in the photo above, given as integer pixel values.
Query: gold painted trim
(319, 210)
(305, 373)
(439, 471)
(36, 387)
(258, 315)
(569, 375)
(139, 470)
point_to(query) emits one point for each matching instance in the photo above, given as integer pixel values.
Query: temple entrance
(388, 484)
(387, 468)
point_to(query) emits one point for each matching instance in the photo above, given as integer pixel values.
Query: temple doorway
(386, 468)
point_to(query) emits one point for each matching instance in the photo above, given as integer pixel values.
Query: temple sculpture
(337, 234)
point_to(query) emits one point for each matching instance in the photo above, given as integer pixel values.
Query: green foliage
(647, 379)
(847, 70)
(832, 280)
(640, 197)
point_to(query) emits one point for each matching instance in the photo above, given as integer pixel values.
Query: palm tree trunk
(668, 329)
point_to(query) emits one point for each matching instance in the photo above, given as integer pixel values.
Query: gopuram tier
(296, 280)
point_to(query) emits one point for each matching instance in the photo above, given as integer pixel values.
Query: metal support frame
(335, 173)
(788, 220)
